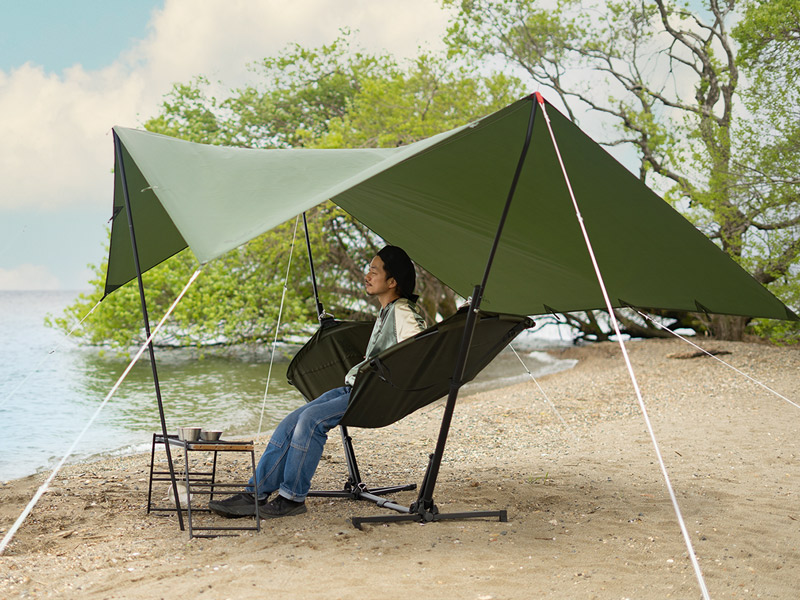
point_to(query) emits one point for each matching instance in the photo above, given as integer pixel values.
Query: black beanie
(398, 265)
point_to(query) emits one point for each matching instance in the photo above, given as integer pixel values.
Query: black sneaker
(281, 507)
(240, 505)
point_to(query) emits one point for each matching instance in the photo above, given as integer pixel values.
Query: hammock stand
(349, 340)
(397, 382)
(375, 380)
(321, 365)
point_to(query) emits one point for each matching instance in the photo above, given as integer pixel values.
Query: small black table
(201, 481)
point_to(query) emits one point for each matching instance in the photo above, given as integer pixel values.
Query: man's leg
(305, 450)
(271, 465)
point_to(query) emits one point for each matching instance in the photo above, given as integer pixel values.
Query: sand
(589, 512)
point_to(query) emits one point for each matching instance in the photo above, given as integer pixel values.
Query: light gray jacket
(396, 322)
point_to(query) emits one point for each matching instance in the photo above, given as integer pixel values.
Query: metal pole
(123, 178)
(347, 442)
(425, 501)
(317, 303)
(511, 191)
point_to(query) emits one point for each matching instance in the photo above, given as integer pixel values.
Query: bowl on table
(210, 435)
(188, 434)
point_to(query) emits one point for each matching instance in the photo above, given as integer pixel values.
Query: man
(295, 448)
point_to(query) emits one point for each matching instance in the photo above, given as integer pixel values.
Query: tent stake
(145, 316)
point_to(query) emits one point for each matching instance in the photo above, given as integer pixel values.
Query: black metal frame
(354, 487)
(202, 482)
(135, 248)
(424, 509)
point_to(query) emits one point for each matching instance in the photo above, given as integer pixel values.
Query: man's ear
(391, 282)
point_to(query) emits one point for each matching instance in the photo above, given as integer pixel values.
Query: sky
(71, 70)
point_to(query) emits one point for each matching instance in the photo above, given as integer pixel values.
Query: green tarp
(441, 200)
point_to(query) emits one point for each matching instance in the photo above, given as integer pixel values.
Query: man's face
(375, 280)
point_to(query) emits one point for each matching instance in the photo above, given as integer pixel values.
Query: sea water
(52, 385)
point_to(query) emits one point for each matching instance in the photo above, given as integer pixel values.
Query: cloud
(28, 277)
(55, 148)
(55, 143)
(218, 38)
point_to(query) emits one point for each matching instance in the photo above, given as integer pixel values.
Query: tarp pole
(317, 303)
(507, 207)
(347, 442)
(425, 501)
(126, 196)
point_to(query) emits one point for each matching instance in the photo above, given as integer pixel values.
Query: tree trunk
(727, 327)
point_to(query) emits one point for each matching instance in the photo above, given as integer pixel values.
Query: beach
(589, 514)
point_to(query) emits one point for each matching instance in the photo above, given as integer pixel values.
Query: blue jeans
(295, 448)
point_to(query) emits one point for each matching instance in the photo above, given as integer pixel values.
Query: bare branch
(778, 225)
(778, 266)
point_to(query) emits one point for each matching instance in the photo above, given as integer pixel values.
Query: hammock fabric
(321, 364)
(403, 378)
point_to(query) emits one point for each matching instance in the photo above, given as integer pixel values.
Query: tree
(235, 300)
(667, 83)
(769, 35)
(326, 97)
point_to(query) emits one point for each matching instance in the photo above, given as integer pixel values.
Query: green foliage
(784, 333)
(769, 35)
(236, 299)
(327, 97)
(768, 154)
(188, 114)
(300, 91)
(432, 97)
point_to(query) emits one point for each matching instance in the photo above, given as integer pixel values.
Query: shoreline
(589, 515)
(505, 370)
